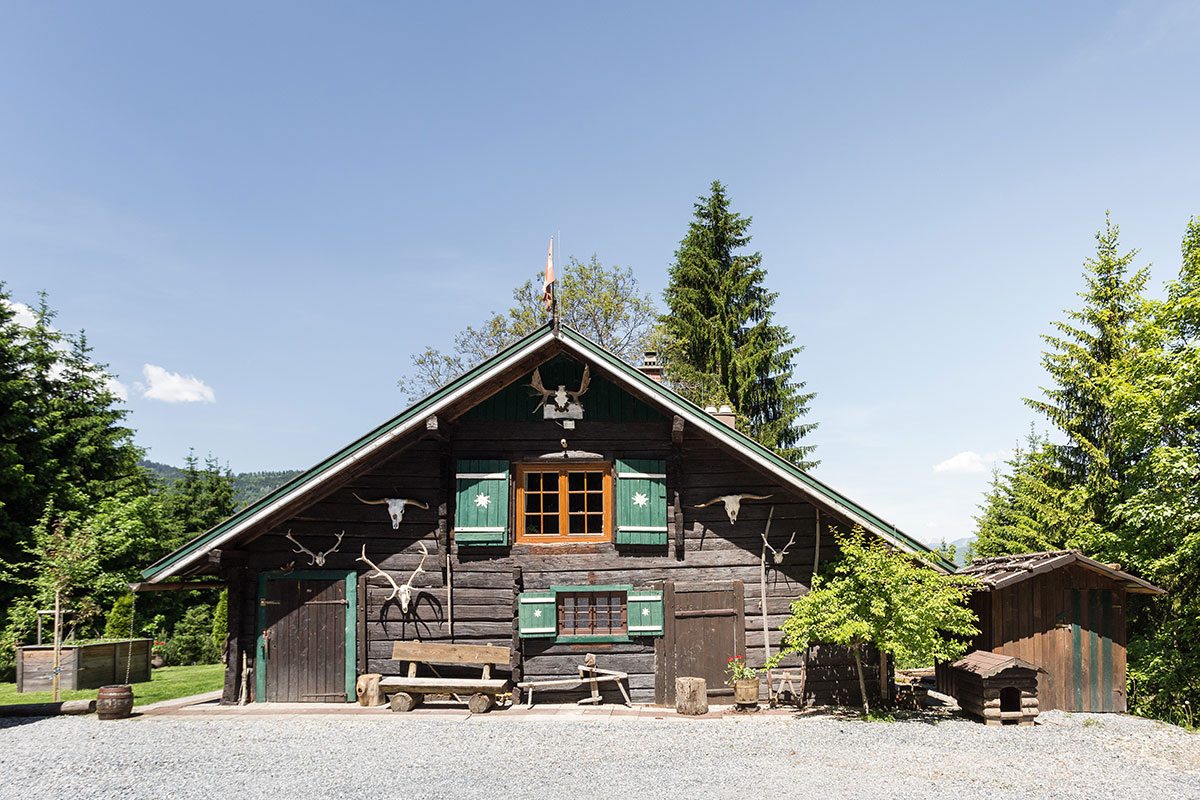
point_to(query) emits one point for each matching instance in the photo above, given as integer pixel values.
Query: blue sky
(283, 201)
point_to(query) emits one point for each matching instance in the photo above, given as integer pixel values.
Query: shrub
(220, 623)
(191, 642)
(119, 622)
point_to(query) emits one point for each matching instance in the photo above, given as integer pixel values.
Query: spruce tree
(720, 341)
(1084, 360)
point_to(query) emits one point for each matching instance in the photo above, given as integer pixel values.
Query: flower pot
(745, 691)
(157, 661)
(114, 702)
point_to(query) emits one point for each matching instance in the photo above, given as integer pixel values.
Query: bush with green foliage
(191, 641)
(873, 595)
(220, 623)
(119, 623)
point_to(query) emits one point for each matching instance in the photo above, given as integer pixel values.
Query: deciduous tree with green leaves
(604, 303)
(719, 338)
(875, 596)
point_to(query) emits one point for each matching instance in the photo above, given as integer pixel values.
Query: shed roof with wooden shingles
(985, 663)
(1002, 571)
(480, 383)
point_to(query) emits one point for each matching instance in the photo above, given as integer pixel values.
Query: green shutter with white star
(644, 612)
(481, 503)
(641, 501)
(537, 615)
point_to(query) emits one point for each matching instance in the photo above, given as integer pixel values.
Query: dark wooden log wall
(484, 585)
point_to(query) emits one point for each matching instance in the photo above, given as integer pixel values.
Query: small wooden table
(408, 691)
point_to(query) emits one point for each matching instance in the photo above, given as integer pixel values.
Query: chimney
(724, 415)
(650, 366)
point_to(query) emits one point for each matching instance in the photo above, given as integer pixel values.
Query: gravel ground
(378, 756)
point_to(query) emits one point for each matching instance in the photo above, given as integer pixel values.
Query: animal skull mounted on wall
(401, 593)
(777, 555)
(395, 507)
(560, 401)
(315, 559)
(733, 503)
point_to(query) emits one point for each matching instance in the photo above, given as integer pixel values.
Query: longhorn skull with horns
(395, 507)
(733, 503)
(315, 559)
(403, 593)
(560, 398)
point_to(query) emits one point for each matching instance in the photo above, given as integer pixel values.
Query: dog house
(996, 688)
(1064, 613)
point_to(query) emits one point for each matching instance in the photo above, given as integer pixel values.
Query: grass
(166, 683)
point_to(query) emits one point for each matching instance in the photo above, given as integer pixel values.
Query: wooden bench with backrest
(407, 691)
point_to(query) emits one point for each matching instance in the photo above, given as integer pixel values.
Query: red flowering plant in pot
(744, 680)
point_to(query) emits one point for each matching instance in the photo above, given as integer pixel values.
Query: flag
(548, 281)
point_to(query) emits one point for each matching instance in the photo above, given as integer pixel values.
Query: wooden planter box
(82, 666)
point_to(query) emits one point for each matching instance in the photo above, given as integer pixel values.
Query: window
(591, 613)
(561, 504)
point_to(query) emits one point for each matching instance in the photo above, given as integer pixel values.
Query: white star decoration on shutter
(482, 500)
(640, 499)
(645, 612)
(537, 612)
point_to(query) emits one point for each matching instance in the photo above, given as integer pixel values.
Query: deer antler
(379, 574)
(420, 567)
(302, 549)
(777, 555)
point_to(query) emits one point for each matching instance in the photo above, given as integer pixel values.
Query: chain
(129, 646)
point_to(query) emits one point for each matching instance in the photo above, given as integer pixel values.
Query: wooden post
(883, 678)
(762, 584)
(691, 696)
(367, 689)
(57, 640)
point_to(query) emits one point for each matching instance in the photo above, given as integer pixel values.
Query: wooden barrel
(114, 702)
(745, 691)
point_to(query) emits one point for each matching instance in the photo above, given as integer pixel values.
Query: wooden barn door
(305, 621)
(704, 626)
(1095, 680)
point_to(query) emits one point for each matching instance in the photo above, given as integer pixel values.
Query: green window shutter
(537, 615)
(481, 521)
(641, 501)
(644, 614)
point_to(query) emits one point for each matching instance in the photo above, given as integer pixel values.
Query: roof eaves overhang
(338, 463)
(739, 442)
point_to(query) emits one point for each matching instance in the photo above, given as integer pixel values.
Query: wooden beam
(677, 430)
(181, 586)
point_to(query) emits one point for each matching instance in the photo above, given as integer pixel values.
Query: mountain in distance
(247, 486)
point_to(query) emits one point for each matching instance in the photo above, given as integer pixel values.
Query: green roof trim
(724, 431)
(161, 567)
(546, 333)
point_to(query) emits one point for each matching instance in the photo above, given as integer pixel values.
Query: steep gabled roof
(985, 663)
(480, 378)
(1001, 571)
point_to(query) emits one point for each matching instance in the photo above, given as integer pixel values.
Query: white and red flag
(548, 281)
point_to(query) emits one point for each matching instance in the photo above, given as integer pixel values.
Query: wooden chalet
(555, 501)
(1063, 612)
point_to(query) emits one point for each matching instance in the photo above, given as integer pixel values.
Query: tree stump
(368, 691)
(403, 701)
(691, 696)
(479, 703)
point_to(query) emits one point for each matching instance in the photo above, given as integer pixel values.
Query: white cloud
(967, 462)
(24, 314)
(172, 387)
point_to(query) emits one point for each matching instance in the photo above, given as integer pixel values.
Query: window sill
(610, 638)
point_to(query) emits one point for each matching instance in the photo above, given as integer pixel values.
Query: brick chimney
(650, 366)
(724, 414)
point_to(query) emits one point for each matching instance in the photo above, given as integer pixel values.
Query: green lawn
(165, 683)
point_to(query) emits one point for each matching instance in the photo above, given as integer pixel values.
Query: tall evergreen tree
(719, 337)
(1086, 352)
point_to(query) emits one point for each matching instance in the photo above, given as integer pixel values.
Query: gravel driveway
(385, 756)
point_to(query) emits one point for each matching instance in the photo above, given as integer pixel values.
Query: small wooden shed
(1063, 612)
(996, 688)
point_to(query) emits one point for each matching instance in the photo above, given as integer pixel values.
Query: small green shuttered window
(641, 501)
(481, 503)
(540, 613)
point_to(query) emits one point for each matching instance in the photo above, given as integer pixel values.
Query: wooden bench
(407, 691)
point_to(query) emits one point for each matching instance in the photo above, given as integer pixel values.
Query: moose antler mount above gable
(560, 403)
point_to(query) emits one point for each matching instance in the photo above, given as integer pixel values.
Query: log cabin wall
(486, 580)
(1069, 621)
